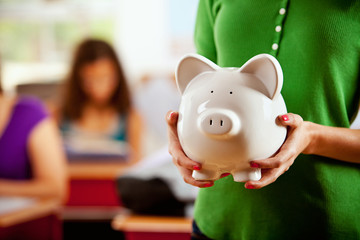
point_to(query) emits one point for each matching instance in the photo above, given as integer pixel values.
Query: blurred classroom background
(38, 39)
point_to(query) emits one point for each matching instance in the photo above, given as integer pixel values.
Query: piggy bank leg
(247, 175)
(205, 174)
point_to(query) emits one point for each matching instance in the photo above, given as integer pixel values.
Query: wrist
(312, 130)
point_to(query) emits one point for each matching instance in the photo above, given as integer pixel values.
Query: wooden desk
(37, 221)
(153, 227)
(101, 170)
(93, 200)
(98, 213)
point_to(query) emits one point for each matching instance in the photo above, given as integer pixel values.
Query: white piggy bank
(227, 116)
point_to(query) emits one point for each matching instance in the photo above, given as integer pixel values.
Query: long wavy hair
(74, 97)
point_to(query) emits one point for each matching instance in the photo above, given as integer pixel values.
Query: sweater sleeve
(204, 29)
(30, 112)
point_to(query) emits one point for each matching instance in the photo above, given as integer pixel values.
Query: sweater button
(282, 11)
(275, 46)
(278, 28)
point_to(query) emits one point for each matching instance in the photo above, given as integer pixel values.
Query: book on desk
(96, 150)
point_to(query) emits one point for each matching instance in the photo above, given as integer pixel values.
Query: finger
(187, 176)
(180, 159)
(269, 177)
(286, 152)
(273, 162)
(175, 149)
(171, 118)
(290, 119)
(185, 164)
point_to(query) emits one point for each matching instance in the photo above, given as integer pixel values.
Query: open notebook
(13, 204)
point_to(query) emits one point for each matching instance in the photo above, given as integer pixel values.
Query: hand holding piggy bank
(227, 116)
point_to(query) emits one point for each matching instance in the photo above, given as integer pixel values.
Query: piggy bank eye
(212, 91)
(230, 92)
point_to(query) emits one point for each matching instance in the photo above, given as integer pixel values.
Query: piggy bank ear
(189, 67)
(268, 70)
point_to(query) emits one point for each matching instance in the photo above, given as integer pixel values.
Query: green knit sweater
(318, 46)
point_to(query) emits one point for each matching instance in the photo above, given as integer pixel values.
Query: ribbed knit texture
(319, 51)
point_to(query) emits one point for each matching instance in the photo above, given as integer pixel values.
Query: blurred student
(96, 116)
(32, 162)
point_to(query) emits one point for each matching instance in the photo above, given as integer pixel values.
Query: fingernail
(285, 118)
(196, 167)
(225, 174)
(254, 165)
(208, 184)
(170, 115)
(249, 186)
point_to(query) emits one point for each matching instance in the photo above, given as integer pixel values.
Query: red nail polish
(225, 174)
(254, 165)
(208, 185)
(249, 186)
(170, 115)
(285, 118)
(196, 167)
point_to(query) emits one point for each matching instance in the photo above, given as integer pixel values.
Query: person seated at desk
(32, 162)
(96, 116)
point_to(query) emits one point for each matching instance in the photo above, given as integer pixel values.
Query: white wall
(147, 30)
(150, 36)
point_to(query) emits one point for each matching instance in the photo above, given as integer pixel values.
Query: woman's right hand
(182, 162)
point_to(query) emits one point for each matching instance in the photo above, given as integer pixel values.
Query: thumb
(171, 118)
(290, 120)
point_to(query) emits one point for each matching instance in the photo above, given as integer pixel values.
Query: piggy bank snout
(219, 123)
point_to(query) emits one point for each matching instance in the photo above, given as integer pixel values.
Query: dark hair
(74, 97)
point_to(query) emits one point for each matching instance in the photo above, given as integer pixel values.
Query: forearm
(334, 142)
(135, 131)
(32, 188)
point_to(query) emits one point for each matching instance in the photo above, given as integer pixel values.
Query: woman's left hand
(297, 141)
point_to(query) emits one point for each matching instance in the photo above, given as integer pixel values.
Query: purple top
(14, 159)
